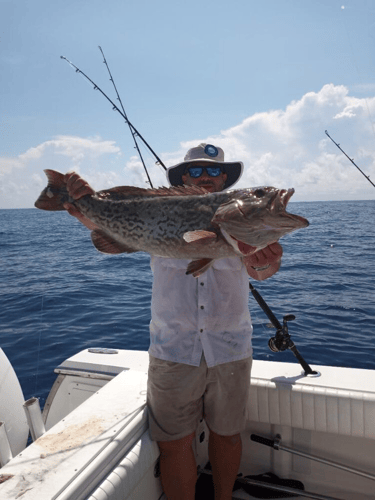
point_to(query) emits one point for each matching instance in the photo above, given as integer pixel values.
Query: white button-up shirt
(209, 314)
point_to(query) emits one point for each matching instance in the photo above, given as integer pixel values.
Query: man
(200, 350)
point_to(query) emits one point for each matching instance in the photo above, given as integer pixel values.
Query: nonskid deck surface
(242, 495)
(205, 488)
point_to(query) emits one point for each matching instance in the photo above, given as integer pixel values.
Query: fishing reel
(282, 341)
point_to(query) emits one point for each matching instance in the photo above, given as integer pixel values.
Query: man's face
(211, 184)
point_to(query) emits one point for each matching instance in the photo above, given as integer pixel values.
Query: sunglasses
(196, 172)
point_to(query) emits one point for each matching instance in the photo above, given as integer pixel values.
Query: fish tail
(55, 194)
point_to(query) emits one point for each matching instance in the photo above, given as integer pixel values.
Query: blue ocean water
(58, 295)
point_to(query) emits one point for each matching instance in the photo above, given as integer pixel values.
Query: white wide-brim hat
(205, 153)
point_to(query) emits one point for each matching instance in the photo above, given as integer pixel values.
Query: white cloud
(8, 164)
(75, 148)
(284, 148)
(21, 178)
(288, 148)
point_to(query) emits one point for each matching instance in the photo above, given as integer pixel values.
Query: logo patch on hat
(210, 150)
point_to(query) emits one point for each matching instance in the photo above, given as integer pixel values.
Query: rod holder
(34, 418)
(5, 451)
(276, 445)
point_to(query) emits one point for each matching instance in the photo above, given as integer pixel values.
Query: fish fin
(199, 236)
(55, 194)
(132, 192)
(181, 191)
(198, 267)
(119, 193)
(162, 191)
(106, 244)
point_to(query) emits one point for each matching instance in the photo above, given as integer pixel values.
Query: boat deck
(97, 446)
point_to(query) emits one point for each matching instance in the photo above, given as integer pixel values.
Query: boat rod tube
(5, 451)
(34, 418)
(275, 444)
(276, 487)
(116, 109)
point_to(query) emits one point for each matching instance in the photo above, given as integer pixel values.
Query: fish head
(254, 218)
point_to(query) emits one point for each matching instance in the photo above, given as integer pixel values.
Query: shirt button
(202, 284)
(202, 307)
(201, 330)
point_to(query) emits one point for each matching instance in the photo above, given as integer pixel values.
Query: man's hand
(264, 263)
(78, 187)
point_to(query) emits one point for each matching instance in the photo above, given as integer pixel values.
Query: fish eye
(259, 193)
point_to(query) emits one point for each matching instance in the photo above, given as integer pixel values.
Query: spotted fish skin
(184, 223)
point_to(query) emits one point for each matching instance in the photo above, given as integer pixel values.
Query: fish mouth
(279, 203)
(281, 199)
(285, 196)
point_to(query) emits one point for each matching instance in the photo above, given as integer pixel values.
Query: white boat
(95, 443)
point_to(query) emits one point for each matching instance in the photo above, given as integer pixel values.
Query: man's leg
(225, 457)
(225, 410)
(175, 404)
(178, 468)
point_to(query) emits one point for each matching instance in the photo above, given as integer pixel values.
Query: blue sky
(262, 79)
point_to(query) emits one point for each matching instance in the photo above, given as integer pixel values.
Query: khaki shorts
(179, 396)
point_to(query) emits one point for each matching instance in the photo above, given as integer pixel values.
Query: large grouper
(180, 222)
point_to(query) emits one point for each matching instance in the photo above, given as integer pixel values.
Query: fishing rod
(134, 130)
(350, 159)
(281, 341)
(123, 110)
